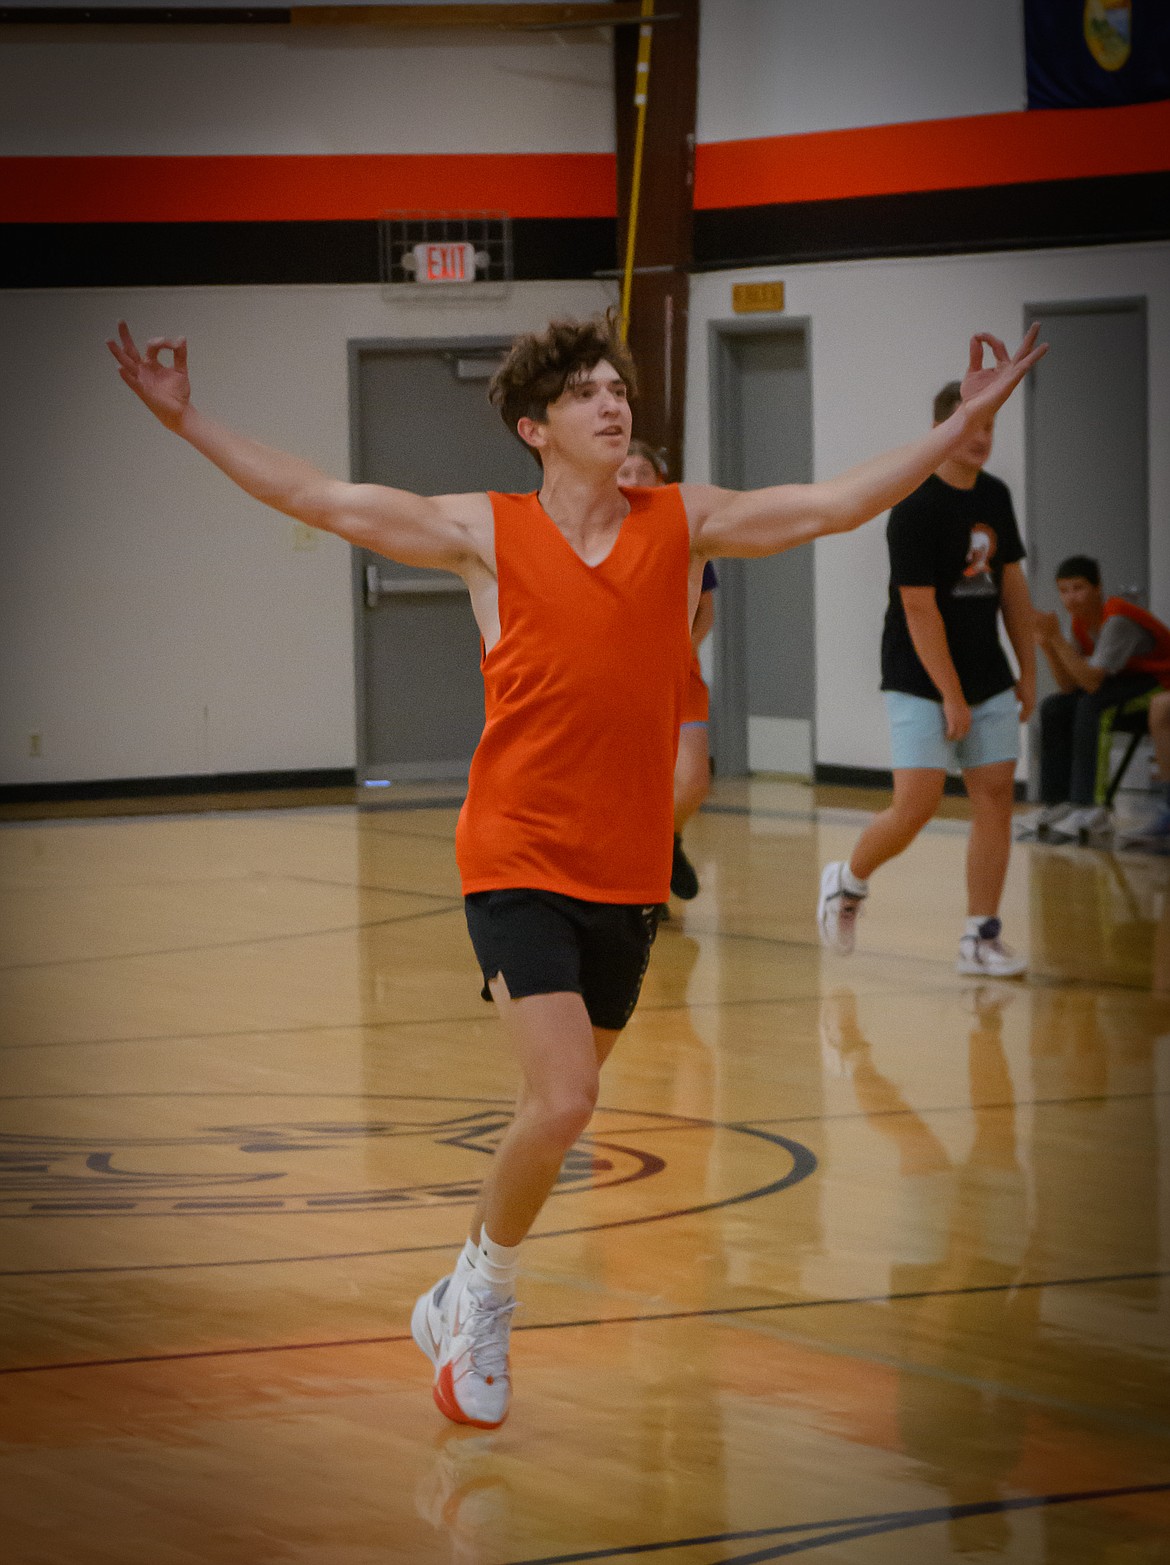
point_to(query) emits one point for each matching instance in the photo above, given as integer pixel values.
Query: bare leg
(560, 1056)
(692, 772)
(991, 791)
(917, 791)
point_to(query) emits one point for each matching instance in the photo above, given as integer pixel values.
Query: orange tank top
(571, 787)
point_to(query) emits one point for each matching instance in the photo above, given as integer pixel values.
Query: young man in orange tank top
(576, 671)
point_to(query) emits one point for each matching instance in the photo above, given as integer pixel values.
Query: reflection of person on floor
(646, 468)
(951, 697)
(584, 596)
(960, 1226)
(1117, 658)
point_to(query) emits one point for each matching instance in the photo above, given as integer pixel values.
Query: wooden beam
(393, 18)
(662, 261)
(482, 17)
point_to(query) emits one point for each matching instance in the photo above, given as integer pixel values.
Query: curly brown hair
(541, 364)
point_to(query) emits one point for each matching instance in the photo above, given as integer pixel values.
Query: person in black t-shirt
(952, 699)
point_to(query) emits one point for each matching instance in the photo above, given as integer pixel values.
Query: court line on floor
(845, 1529)
(680, 1121)
(356, 809)
(361, 885)
(1032, 979)
(442, 1021)
(959, 1108)
(453, 906)
(985, 1386)
(273, 1031)
(804, 1162)
(716, 1313)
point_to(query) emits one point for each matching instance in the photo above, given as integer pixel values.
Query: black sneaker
(684, 883)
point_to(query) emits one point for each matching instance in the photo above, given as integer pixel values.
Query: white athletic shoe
(464, 1332)
(1038, 823)
(1082, 825)
(428, 1323)
(837, 911)
(985, 956)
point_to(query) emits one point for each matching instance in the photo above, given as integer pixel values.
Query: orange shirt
(571, 787)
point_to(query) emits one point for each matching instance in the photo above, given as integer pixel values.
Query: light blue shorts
(918, 733)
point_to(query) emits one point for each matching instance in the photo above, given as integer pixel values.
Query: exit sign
(444, 263)
(755, 298)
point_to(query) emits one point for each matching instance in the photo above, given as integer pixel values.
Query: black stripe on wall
(1122, 208)
(156, 255)
(169, 787)
(874, 777)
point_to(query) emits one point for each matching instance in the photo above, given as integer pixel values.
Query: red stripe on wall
(306, 189)
(985, 149)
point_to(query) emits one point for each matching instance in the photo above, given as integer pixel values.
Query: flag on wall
(1096, 53)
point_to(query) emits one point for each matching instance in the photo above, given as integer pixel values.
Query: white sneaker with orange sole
(464, 1331)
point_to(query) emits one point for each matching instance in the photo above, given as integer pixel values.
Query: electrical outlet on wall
(304, 536)
(34, 744)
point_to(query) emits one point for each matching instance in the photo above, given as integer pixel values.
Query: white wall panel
(218, 91)
(154, 620)
(782, 67)
(885, 335)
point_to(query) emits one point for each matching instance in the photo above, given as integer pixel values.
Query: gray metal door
(420, 420)
(764, 693)
(1086, 450)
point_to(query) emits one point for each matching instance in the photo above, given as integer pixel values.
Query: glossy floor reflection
(858, 1259)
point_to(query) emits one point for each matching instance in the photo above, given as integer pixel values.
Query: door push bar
(378, 587)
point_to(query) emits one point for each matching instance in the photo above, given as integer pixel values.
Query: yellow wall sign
(753, 298)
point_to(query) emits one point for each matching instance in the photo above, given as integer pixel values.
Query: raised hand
(985, 391)
(164, 388)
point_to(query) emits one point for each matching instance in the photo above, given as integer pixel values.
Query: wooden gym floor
(858, 1259)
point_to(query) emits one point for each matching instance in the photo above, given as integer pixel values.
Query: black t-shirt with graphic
(958, 542)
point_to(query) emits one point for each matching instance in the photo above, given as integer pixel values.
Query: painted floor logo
(137, 1181)
(214, 1169)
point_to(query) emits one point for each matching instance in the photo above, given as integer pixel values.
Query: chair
(1133, 719)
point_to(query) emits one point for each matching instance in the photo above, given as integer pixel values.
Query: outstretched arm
(765, 521)
(403, 526)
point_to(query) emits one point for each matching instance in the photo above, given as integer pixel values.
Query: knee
(563, 1117)
(911, 815)
(997, 800)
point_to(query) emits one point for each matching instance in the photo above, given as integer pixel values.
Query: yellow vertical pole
(641, 92)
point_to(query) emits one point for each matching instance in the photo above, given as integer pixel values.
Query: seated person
(1117, 658)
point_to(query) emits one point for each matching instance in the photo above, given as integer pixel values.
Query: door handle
(379, 586)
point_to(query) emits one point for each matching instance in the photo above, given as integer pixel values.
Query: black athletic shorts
(545, 943)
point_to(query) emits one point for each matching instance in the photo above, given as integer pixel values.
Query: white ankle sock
(976, 922)
(851, 884)
(497, 1265)
(466, 1263)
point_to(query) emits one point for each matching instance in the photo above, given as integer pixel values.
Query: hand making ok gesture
(164, 388)
(984, 391)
